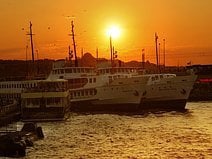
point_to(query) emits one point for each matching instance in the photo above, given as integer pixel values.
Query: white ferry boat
(119, 92)
(49, 100)
(134, 92)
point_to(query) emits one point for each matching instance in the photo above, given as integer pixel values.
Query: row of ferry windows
(117, 70)
(47, 101)
(26, 85)
(74, 70)
(83, 93)
(82, 80)
(157, 77)
(10, 96)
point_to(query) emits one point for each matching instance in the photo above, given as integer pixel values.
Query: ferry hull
(144, 106)
(88, 106)
(175, 104)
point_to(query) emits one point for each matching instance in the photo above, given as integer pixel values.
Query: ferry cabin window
(77, 70)
(91, 92)
(90, 80)
(33, 102)
(53, 101)
(68, 70)
(82, 70)
(86, 70)
(82, 93)
(94, 80)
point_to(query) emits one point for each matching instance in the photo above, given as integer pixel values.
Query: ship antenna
(31, 40)
(74, 44)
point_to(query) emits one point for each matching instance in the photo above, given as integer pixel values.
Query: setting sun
(114, 31)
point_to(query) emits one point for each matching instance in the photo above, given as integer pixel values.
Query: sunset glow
(185, 25)
(113, 31)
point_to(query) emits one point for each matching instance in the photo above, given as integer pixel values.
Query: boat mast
(31, 40)
(111, 51)
(156, 48)
(97, 56)
(74, 44)
(164, 54)
(159, 52)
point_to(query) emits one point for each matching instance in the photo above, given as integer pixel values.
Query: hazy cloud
(10, 50)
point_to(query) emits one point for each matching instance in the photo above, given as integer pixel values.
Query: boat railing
(34, 90)
(119, 70)
(6, 101)
(10, 107)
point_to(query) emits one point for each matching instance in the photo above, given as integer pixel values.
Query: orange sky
(185, 24)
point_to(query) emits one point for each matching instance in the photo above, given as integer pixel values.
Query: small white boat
(48, 101)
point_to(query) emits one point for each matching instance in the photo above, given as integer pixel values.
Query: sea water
(122, 136)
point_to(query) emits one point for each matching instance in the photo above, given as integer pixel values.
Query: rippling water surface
(112, 136)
